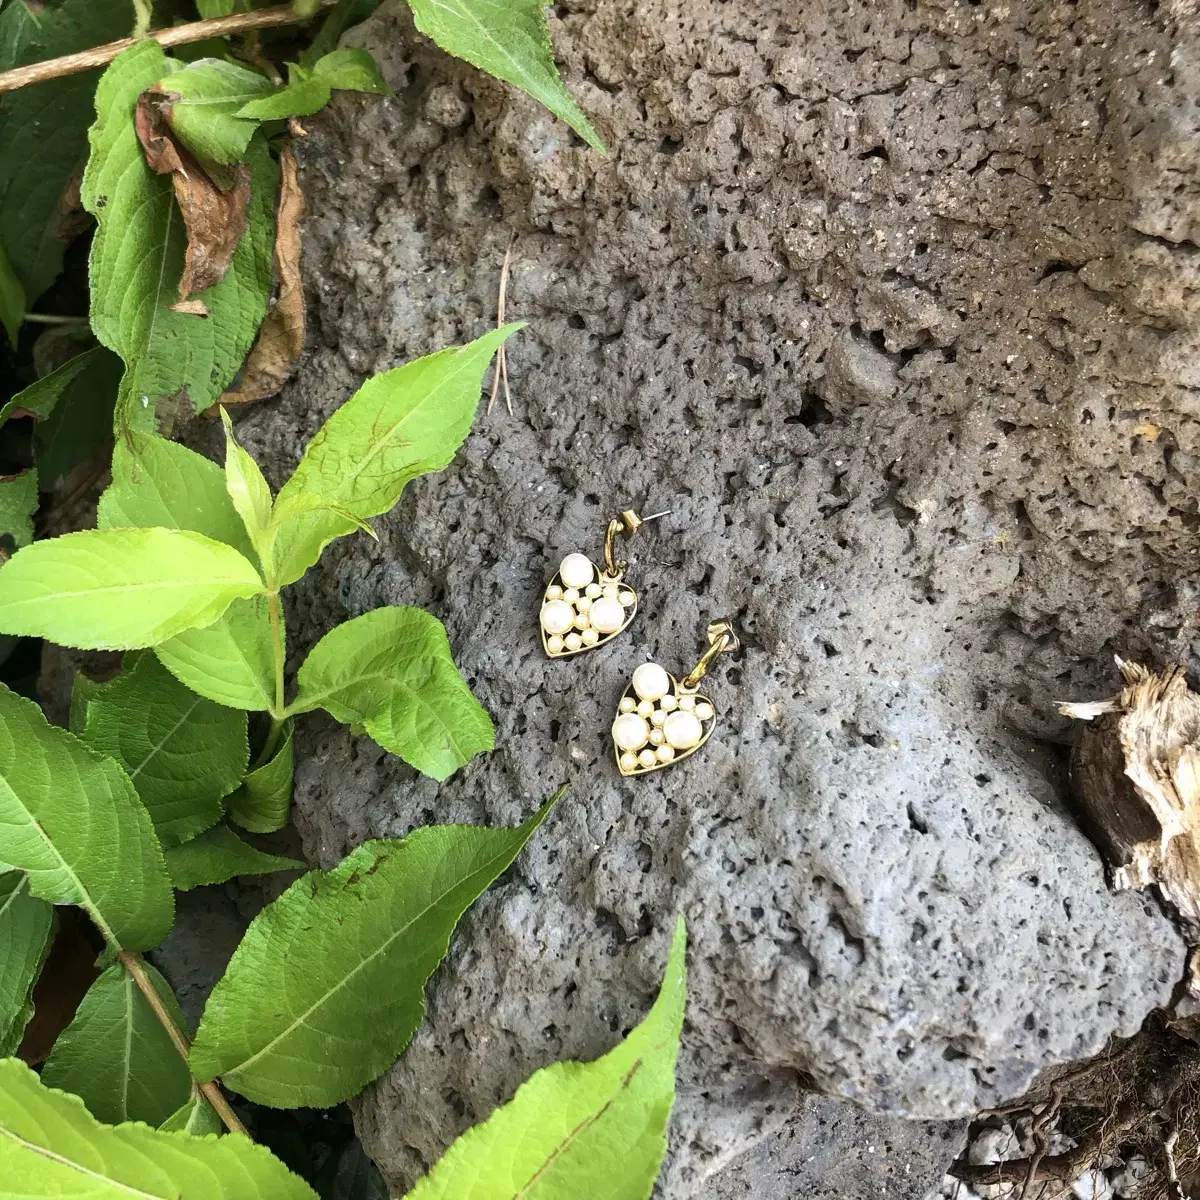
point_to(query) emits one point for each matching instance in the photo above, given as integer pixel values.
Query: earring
(585, 607)
(661, 721)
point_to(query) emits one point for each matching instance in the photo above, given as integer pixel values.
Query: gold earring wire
(721, 640)
(626, 525)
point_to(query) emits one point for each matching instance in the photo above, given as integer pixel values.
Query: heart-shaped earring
(585, 607)
(661, 720)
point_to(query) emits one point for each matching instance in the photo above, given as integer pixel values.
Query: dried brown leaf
(215, 217)
(281, 338)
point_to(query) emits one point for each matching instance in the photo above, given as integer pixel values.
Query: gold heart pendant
(584, 607)
(661, 720)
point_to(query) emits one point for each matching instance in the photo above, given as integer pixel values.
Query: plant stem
(211, 1092)
(144, 14)
(272, 742)
(179, 35)
(52, 319)
(275, 607)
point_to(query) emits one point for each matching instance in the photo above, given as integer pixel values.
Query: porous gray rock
(893, 305)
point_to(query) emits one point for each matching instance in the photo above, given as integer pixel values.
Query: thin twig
(133, 964)
(500, 373)
(1042, 1124)
(1174, 1187)
(178, 35)
(52, 319)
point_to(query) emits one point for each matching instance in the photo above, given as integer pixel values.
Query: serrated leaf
(218, 855)
(43, 129)
(508, 39)
(196, 1117)
(350, 69)
(73, 822)
(309, 90)
(25, 926)
(138, 257)
(264, 801)
(231, 661)
(202, 101)
(392, 672)
(75, 404)
(121, 589)
(182, 752)
(53, 1147)
(593, 1129)
(18, 503)
(83, 692)
(328, 985)
(12, 300)
(159, 482)
(247, 488)
(116, 1056)
(401, 424)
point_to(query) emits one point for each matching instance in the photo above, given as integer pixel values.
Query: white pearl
(645, 707)
(554, 592)
(665, 753)
(625, 599)
(557, 616)
(610, 590)
(651, 682)
(607, 615)
(554, 644)
(590, 637)
(583, 604)
(629, 731)
(657, 737)
(576, 570)
(683, 730)
(647, 757)
(593, 590)
(571, 595)
(704, 711)
(668, 702)
(628, 704)
(657, 717)
(628, 761)
(574, 641)
(687, 702)
(583, 621)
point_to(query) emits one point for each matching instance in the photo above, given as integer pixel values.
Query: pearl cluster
(655, 724)
(583, 607)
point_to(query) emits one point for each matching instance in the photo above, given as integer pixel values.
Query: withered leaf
(215, 217)
(281, 338)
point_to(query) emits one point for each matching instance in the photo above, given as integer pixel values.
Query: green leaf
(391, 671)
(137, 259)
(116, 1056)
(159, 482)
(593, 1129)
(351, 69)
(75, 404)
(53, 1147)
(43, 128)
(304, 94)
(18, 503)
(12, 300)
(218, 855)
(182, 752)
(397, 426)
(25, 927)
(197, 1117)
(264, 801)
(508, 39)
(247, 488)
(120, 589)
(328, 985)
(344, 14)
(205, 97)
(72, 820)
(231, 661)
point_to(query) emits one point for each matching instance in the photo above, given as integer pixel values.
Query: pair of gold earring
(660, 720)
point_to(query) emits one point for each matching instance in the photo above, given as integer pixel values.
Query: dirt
(894, 306)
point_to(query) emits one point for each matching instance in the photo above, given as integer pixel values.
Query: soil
(893, 305)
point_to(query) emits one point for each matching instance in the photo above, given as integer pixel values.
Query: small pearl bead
(571, 595)
(657, 737)
(629, 761)
(657, 717)
(687, 702)
(645, 707)
(648, 758)
(590, 637)
(554, 592)
(606, 615)
(651, 682)
(683, 730)
(582, 621)
(576, 570)
(611, 590)
(704, 711)
(593, 590)
(628, 704)
(668, 702)
(626, 599)
(557, 616)
(665, 753)
(574, 641)
(629, 732)
(583, 604)
(554, 644)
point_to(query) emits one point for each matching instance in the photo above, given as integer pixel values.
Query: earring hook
(627, 524)
(721, 640)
